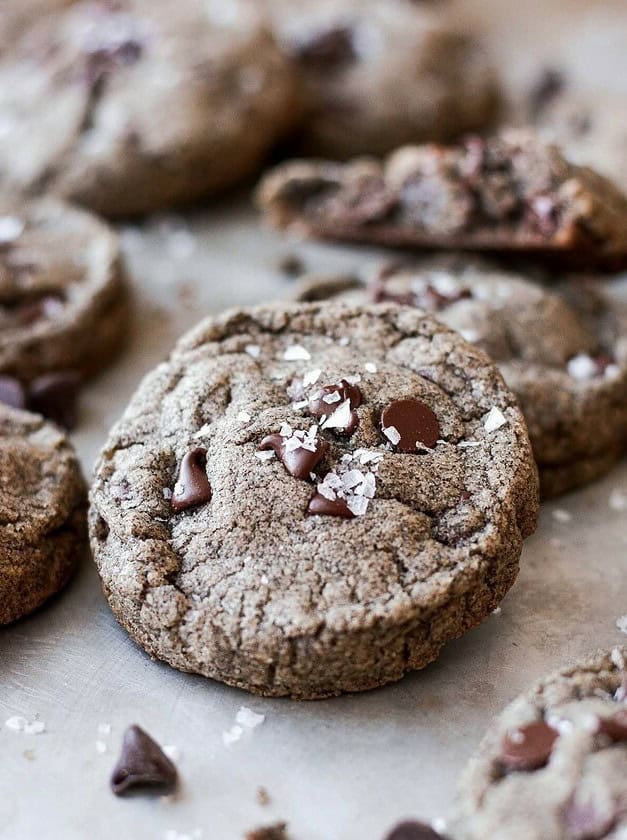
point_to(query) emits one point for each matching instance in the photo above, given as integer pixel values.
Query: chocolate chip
(142, 763)
(412, 830)
(615, 727)
(529, 747)
(321, 506)
(55, 396)
(192, 485)
(12, 392)
(298, 462)
(327, 50)
(413, 421)
(336, 396)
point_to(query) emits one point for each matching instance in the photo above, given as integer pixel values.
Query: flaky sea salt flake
(296, 353)
(392, 434)
(494, 420)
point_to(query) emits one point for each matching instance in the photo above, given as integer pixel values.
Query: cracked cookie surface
(126, 108)
(331, 557)
(63, 296)
(562, 349)
(510, 193)
(42, 510)
(379, 74)
(554, 763)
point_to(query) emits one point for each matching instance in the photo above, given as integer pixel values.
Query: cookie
(306, 500)
(554, 764)
(591, 128)
(380, 73)
(42, 507)
(63, 299)
(126, 108)
(510, 194)
(17, 15)
(561, 349)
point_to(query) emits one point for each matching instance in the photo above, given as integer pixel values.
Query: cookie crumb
(291, 265)
(263, 797)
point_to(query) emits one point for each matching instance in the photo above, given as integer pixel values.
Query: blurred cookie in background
(379, 74)
(131, 106)
(561, 349)
(64, 304)
(509, 193)
(42, 508)
(590, 127)
(18, 15)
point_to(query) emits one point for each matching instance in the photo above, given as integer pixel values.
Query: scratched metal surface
(345, 769)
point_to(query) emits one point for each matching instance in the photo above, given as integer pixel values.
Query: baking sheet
(344, 769)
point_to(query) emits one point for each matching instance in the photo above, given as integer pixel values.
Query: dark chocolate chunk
(529, 747)
(412, 830)
(55, 395)
(615, 727)
(341, 393)
(142, 763)
(298, 462)
(321, 506)
(192, 485)
(12, 392)
(415, 423)
(328, 50)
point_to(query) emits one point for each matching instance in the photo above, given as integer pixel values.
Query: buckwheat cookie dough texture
(554, 764)
(510, 193)
(310, 499)
(63, 296)
(126, 107)
(562, 349)
(379, 73)
(42, 509)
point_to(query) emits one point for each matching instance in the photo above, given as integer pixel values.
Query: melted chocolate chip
(298, 462)
(142, 763)
(341, 393)
(321, 506)
(192, 485)
(328, 50)
(12, 392)
(412, 830)
(415, 423)
(529, 747)
(425, 297)
(615, 727)
(55, 395)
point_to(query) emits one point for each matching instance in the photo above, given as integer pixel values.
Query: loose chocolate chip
(615, 727)
(414, 422)
(55, 395)
(529, 747)
(321, 506)
(192, 485)
(142, 763)
(338, 394)
(412, 830)
(298, 462)
(328, 50)
(12, 392)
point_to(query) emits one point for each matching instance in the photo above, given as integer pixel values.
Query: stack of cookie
(313, 497)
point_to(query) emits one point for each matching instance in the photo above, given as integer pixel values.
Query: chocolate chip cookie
(380, 73)
(126, 107)
(591, 128)
(554, 764)
(63, 300)
(562, 350)
(42, 508)
(510, 193)
(311, 499)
